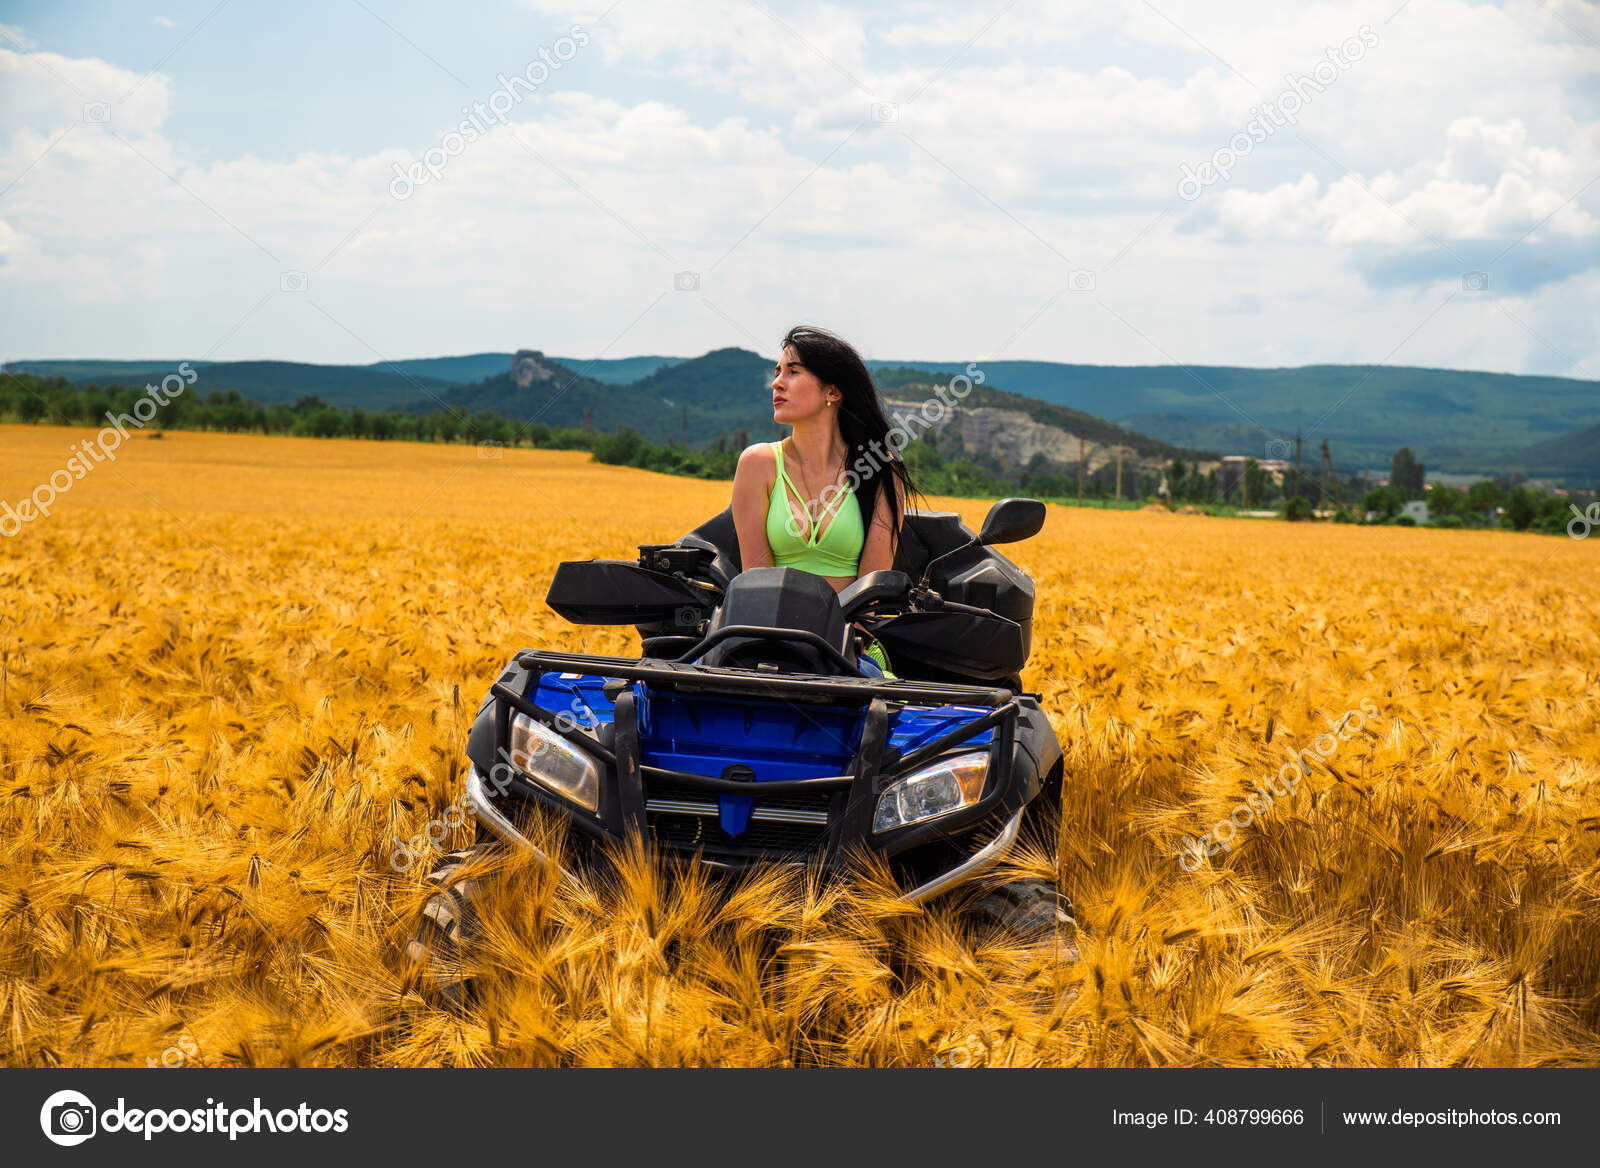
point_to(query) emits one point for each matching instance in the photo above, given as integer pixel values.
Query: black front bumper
(826, 820)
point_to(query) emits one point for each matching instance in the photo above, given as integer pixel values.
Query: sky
(1412, 182)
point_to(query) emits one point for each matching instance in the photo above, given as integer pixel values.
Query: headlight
(553, 762)
(933, 791)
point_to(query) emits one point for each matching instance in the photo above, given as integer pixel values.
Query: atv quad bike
(747, 733)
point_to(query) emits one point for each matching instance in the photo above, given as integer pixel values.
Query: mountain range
(1451, 419)
(1457, 421)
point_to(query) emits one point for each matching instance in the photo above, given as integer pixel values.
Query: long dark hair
(862, 423)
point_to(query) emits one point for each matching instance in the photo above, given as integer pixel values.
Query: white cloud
(1053, 143)
(43, 93)
(746, 49)
(1489, 183)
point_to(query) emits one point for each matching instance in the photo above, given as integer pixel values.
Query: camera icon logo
(1081, 280)
(491, 449)
(68, 1118)
(293, 282)
(1279, 448)
(686, 282)
(687, 615)
(1474, 281)
(884, 111)
(97, 112)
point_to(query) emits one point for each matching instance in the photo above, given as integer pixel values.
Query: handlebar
(859, 598)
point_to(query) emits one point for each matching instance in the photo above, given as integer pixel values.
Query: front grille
(818, 801)
(681, 816)
(703, 833)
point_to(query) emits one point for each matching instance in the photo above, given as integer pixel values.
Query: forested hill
(1464, 421)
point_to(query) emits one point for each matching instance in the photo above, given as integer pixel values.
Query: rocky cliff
(528, 366)
(1015, 438)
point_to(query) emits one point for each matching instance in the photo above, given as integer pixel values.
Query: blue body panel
(705, 735)
(578, 696)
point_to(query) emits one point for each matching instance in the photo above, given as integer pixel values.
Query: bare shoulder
(882, 515)
(758, 454)
(897, 481)
(758, 460)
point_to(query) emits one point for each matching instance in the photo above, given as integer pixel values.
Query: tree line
(937, 468)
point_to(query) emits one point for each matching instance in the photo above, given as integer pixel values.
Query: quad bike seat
(928, 647)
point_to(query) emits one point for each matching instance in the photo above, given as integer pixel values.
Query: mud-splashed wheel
(1034, 912)
(446, 928)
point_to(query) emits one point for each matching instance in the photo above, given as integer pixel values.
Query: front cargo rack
(626, 805)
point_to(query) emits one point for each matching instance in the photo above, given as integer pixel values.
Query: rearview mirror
(1011, 520)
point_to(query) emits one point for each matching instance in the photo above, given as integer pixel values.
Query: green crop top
(836, 553)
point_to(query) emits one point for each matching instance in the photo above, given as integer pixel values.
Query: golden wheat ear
(219, 727)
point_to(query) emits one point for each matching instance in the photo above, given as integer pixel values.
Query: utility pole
(1119, 473)
(1322, 500)
(1296, 494)
(1080, 472)
(1329, 476)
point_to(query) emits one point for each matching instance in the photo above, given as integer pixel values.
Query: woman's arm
(877, 552)
(752, 486)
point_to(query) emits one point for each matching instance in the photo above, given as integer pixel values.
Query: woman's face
(797, 395)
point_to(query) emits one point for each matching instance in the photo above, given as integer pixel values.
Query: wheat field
(236, 672)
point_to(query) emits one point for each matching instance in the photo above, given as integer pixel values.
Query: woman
(829, 498)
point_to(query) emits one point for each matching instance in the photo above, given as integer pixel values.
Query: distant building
(1230, 471)
(1418, 510)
